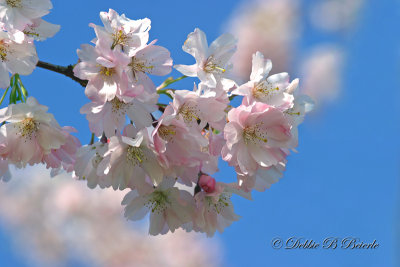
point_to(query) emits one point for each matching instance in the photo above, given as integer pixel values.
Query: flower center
(158, 202)
(139, 66)
(265, 89)
(254, 134)
(107, 72)
(135, 155)
(119, 38)
(119, 106)
(14, 3)
(28, 127)
(218, 206)
(213, 67)
(167, 132)
(189, 113)
(3, 51)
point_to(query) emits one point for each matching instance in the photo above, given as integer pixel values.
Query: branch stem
(67, 71)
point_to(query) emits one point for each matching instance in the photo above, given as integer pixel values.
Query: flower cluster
(159, 157)
(116, 69)
(21, 23)
(166, 160)
(30, 135)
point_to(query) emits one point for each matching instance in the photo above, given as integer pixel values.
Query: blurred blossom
(58, 220)
(268, 26)
(335, 15)
(321, 73)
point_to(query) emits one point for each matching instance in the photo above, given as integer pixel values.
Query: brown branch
(67, 71)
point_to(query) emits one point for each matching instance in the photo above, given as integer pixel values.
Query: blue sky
(344, 180)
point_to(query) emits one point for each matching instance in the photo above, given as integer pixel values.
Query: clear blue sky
(344, 180)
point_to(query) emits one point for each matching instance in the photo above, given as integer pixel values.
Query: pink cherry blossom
(151, 59)
(119, 31)
(40, 29)
(106, 71)
(255, 136)
(211, 62)
(17, 14)
(271, 90)
(197, 110)
(130, 162)
(214, 210)
(110, 117)
(15, 57)
(65, 156)
(169, 207)
(87, 160)
(30, 133)
(179, 148)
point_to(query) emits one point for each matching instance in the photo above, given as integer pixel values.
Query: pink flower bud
(207, 183)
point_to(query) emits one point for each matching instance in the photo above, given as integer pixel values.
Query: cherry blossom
(255, 136)
(110, 117)
(151, 59)
(197, 110)
(119, 31)
(211, 61)
(17, 14)
(271, 90)
(30, 132)
(40, 29)
(15, 57)
(179, 148)
(65, 156)
(106, 71)
(169, 207)
(87, 160)
(214, 209)
(166, 154)
(130, 162)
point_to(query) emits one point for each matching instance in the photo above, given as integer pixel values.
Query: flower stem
(92, 139)
(4, 95)
(169, 81)
(165, 92)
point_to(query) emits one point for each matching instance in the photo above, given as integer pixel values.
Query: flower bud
(207, 183)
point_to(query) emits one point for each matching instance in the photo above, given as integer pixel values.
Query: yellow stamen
(135, 155)
(254, 133)
(14, 3)
(167, 132)
(264, 89)
(108, 72)
(28, 127)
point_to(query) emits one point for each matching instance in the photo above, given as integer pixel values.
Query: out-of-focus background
(343, 182)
